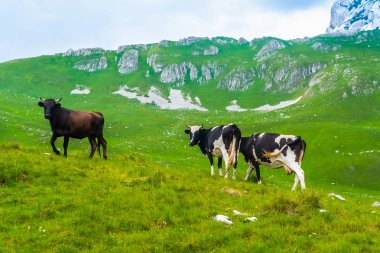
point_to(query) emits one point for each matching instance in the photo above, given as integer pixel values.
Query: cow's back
(79, 124)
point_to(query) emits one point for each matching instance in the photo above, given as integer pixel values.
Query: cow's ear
(187, 131)
(57, 105)
(41, 104)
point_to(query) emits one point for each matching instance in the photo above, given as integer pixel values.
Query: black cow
(274, 150)
(220, 141)
(75, 124)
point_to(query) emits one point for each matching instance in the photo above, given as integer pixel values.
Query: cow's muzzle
(47, 116)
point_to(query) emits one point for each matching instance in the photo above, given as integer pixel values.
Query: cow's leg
(299, 173)
(227, 162)
(220, 160)
(257, 168)
(65, 145)
(249, 171)
(52, 142)
(211, 159)
(93, 145)
(103, 142)
(296, 180)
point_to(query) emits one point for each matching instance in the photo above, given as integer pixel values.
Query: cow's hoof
(259, 182)
(57, 153)
(105, 157)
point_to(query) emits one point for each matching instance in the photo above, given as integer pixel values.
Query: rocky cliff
(352, 16)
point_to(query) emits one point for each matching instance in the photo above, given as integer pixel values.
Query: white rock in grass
(323, 211)
(236, 212)
(377, 204)
(253, 219)
(333, 195)
(223, 218)
(79, 91)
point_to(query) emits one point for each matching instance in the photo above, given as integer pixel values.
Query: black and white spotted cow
(274, 150)
(220, 141)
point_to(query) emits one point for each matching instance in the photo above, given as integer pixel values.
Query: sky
(31, 28)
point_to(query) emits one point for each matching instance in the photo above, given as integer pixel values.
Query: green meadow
(155, 193)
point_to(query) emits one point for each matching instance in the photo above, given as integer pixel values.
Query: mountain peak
(352, 16)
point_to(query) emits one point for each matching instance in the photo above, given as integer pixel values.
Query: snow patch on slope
(267, 108)
(175, 101)
(234, 107)
(80, 90)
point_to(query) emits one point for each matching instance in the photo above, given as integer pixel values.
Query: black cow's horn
(188, 127)
(202, 126)
(58, 100)
(41, 99)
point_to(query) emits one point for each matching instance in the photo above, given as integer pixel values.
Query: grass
(132, 204)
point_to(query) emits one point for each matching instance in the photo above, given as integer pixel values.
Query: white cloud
(35, 27)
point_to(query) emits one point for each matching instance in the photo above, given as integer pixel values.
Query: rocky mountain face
(267, 65)
(128, 63)
(352, 16)
(239, 79)
(92, 65)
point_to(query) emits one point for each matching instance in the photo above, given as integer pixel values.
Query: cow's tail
(268, 154)
(303, 150)
(235, 144)
(101, 126)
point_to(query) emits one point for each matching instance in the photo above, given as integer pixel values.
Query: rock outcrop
(178, 73)
(239, 79)
(212, 50)
(128, 63)
(190, 40)
(289, 77)
(153, 61)
(242, 41)
(269, 49)
(129, 47)
(92, 65)
(325, 48)
(84, 52)
(193, 71)
(175, 73)
(352, 16)
(210, 70)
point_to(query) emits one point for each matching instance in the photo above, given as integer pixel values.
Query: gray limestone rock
(190, 40)
(210, 70)
(92, 65)
(212, 50)
(239, 79)
(174, 73)
(84, 52)
(242, 41)
(269, 49)
(153, 61)
(128, 63)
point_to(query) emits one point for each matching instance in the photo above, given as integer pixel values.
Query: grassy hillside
(155, 193)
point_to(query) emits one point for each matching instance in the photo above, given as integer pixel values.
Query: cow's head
(195, 134)
(49, 105)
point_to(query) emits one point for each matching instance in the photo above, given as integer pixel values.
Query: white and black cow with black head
(274, 150)
(220, 141)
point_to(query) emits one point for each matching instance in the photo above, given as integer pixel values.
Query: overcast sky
(39, 27)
